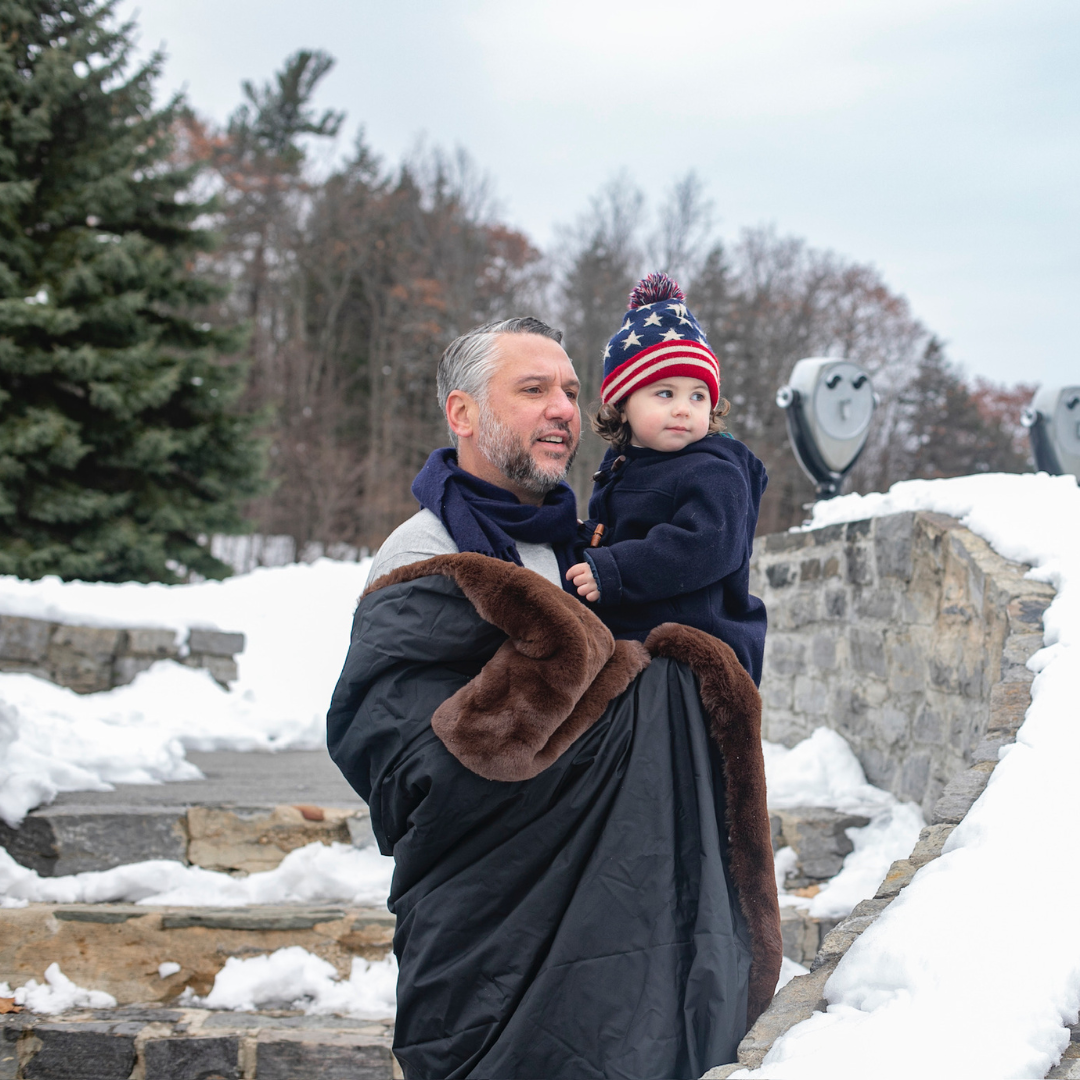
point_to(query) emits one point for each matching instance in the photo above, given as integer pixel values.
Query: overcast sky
(936, 139)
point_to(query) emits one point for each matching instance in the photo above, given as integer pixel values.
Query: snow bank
(823, 771)
(296, 619)
(311, 874)
(298, 979)
(974, 970)
(56, 995)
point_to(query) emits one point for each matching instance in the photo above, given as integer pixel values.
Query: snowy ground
(974, 970)
(296, 619)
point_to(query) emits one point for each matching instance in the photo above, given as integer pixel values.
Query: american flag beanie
(658, 339)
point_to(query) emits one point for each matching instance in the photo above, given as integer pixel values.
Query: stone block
(803, 608)
(928, 847)
(914, 776)
(800, 935)
(831, 534)
(905, 663)
(836, 604)
(258, 839)
(960, 794)
(876, 603)
(858, 530)
(60, 840)
(810, 696)
(78, 672)
(831, 567)
(893, 724)
(867, 651)
(818, 836)
(80, 1052)
(160, 644)
(99, 641)
(780, 575)
(1009, 702)
(779, 543)
(215, 643)
(823, 651)
(223, 669)
(929, 725)
(125, 668)
(214, 1058)
(1019, 648)
(24, 639)
(787, 655)
(859, 568)
(264, 917)
(316, 1055)
(1027, 611)
(840, 938)
(809, 570)
(798, 1000)
(776, 696)
(898, 877)
(893, 546)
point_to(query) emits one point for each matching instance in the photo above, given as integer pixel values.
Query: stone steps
(249, 812)
(165, 1043)
(118, 947)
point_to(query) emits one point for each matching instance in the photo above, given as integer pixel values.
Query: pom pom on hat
(653, 289)
(659, 339)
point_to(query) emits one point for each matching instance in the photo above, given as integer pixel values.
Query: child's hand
(582, 577)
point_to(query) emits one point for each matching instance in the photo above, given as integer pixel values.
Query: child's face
(669, 414)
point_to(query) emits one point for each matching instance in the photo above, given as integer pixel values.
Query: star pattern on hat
(671, 335)
(631, 339)
(653, 319)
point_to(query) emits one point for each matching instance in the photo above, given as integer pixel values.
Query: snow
(167, 968)
(315, 873)
(301, 980)
(296, 619)
(823, 771)
(56, 995)
(974, 970)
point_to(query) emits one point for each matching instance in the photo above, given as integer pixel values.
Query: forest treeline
(204, 331)
(353, 284)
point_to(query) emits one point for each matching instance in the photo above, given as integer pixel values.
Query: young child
(676, 501)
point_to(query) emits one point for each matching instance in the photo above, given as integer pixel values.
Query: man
(583, 882)
(510, 396)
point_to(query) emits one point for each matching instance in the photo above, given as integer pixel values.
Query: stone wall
(904, 634)
(91, 658)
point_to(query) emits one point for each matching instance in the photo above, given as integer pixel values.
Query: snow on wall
(974, 969)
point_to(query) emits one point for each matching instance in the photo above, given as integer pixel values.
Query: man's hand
(582, 577)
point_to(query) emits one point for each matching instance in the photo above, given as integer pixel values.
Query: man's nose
(561, 406)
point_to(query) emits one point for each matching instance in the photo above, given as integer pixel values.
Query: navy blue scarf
(482, 517)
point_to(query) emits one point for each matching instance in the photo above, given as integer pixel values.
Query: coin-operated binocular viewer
(1053, 423)
(829, 404)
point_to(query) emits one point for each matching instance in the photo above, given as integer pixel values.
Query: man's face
(529, 425)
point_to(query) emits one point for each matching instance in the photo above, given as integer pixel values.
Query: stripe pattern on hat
(664, 360)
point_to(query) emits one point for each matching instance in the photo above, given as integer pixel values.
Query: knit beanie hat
(659, 339)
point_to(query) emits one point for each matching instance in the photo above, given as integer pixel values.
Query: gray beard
(509, 454)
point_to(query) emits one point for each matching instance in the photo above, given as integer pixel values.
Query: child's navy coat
(679, 529)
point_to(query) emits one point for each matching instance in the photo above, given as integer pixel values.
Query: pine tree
(119, 443)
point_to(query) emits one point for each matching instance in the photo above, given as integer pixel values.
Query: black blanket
(583, 880)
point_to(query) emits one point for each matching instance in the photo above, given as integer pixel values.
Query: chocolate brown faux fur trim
(544, 687)
(734, 707)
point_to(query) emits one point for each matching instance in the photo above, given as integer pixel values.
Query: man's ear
(461, 413)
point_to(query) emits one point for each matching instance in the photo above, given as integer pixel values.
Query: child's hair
(610, 425)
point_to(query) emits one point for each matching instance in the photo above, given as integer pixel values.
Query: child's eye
(663, 393)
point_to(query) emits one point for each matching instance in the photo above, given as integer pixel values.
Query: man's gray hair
(469, 360)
